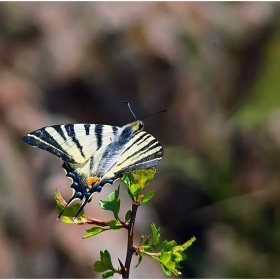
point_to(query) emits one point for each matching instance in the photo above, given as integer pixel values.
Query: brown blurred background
(214, 66)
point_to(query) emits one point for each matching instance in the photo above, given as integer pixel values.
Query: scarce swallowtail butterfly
(97, 154)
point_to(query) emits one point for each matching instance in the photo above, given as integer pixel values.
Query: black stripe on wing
(91, 163)
(137, 139)
(148, 162)
(42, 139)
(98, 134)
(71, 133)
(59, 130)
(143, 138)
(145, 149)
(87, 127)
(145, 160)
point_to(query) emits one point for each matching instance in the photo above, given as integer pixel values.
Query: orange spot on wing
(93, 180)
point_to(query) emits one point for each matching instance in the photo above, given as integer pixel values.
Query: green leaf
(99, 267)
(94, 231)
(127, 216)
(135, 189)
(178, 254)
(170, 254)
(115, 224)
(148, 196)
(117, 208)
(108, 274)
(106, 205)
(168, 245)
(130, 193)
(112, 195)
(113, 204)
(137, 181)
(59, 199)
(156, 236)
(188, 243)
(147, 240)
(70, 211)
(178, 258)
(139, 260)
(165, 257)
(165, 269)
(106, 259)
(66, 220)
(169, 265)
(146, 176)
(126, 179)
(145, 248)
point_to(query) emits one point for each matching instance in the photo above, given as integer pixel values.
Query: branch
(130, 247)
(92, 221)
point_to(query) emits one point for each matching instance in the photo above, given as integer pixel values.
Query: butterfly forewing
(74, 143)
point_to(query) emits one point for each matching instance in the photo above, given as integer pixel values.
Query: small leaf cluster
(136, 182)
(105, 264)
(170, 254)
(112, 204)
(69, 212)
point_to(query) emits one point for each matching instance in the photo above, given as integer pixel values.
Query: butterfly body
(96, 154)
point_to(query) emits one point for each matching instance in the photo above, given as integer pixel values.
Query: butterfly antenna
(130, 109)
(154, 114)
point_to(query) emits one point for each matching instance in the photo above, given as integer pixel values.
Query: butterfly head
(137, 126)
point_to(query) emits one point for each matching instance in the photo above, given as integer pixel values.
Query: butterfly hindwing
(142, 151)
(74, 143)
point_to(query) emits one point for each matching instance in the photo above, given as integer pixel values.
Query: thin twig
(92, 221)
(130, 247)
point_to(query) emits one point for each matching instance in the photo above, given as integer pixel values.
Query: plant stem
(130, 247)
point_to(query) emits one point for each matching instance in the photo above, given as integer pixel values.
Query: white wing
(73, 143)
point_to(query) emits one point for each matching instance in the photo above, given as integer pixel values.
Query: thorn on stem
(123, 269)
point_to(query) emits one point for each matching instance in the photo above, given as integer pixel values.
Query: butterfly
(96, 154)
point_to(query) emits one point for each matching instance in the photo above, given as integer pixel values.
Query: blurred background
(214, 65)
